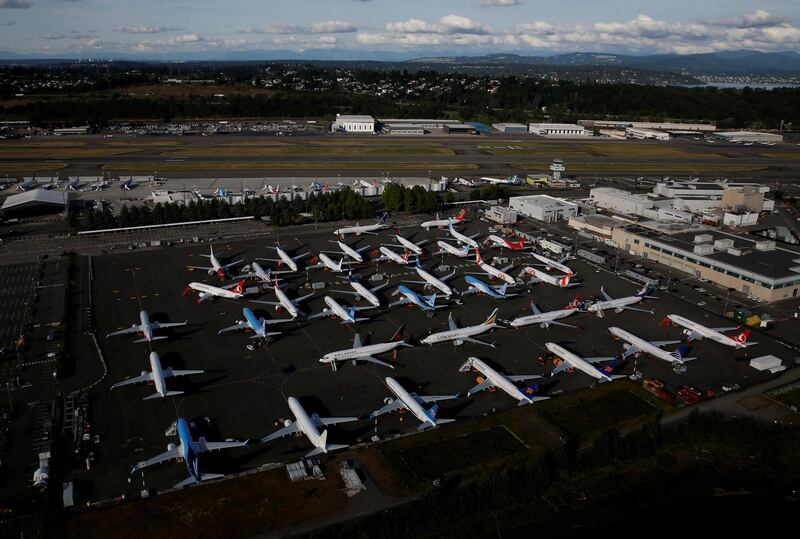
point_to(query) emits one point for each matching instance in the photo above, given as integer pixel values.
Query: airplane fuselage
(286, 303)
(461, 238)
(704, 331)
(286, 259)
(499, 380)
(496, 273)
(484, 288)
(365, 293)
(434, 281)
(453, 250)
(414, 298)
(330, 264)
(643, 345)
(253, 322)
(207, 289)
(550, 263)
(541, 318)
(158, 374)
(349, 251)
(363, 351)
(577, 362)
(560, 281)
(187, 449)
(409, 402)
(456, 334)
(337, 310)
(144, 325)
(618, 303)
(393, 256)
(305, 424)
(410, 245)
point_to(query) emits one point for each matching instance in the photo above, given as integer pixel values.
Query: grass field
(255, 151)
(161, 166)
(655, 168)
(588, 413)
(790, 398)
(30, 167)
(605, 150)
(62, 152)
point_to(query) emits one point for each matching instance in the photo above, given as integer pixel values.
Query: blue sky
(149, 27)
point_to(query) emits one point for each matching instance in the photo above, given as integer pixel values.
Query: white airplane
(363, 229)
(539, 276)
(145, 327)
(188, 449)
(493, 379)
(393, 256)
(511, 180)
(449, 248)
(545, 320)
(697, 332)
(360, 291)
(431, 281)
(476, 286)
(504, 243)
(156, 376)
(326, 262)
(570, 360)
(464, 182)
(27, 185)
(309, 426)
(220, 269)
(257, 272)
(99, 185)
(74, 185)
(127, 185)
(355, 254)
(284, 303)
(635, 345)
(619, 304)
(257, 325)
(551, 264)
(463, 239)
(441, 223)
(284, 258)
(360, 352)
(408, 245)
(461, 335)
(413, 403)
(206, 291)
(348, 316)
(409, 297)
(493, 272)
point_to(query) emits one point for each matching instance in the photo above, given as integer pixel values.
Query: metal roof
(36, 196)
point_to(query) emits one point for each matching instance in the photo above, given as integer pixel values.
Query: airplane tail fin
(565, 280)
(478, 258)
(383, 218)
(492, 318)
(741, 338)
(239, 287)
(432, 412)
(432, 300)
(574, 303)
(466, 249)
(502, 289)
(398, 335)
(680, 353)
(462, 215)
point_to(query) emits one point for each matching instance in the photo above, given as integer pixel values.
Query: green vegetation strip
(255, 151)
(584, 416)
(30, 167)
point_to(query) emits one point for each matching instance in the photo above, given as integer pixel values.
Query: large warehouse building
(354, 123)
(35, 202)
(543, 207)
(557, 130)
(748, 136)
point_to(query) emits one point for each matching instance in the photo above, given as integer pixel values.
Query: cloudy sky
(157, 27)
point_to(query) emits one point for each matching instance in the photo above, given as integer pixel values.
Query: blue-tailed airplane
(426, 303)
(476, 286)
(188, 449)
(254, 324)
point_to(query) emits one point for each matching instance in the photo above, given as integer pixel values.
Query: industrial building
(421, 126)
(354, 123)
(510, 128)
(501, 215)
(557, 130)
(748, 136)
(641, 133)
(662, 126)
(543, 207)
(624, 202)
(598, 226)
(35, 202)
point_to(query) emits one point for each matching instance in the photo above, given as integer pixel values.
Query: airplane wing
(447, 277)
(170, 454)
(264, 302)
(637, 309)
(553, 322)
(301, 298)
(376, 361)
(402, 301)
(319, 265)
(394, 405)
(605, 295)
(474, 341)
(202, 447)
(226, 266)
(661, 344)
(240, 325)
(486, 384)
(380, 286)
(170, 372)
(326, 421)
(433, 398)
(134, 380)
(136, 328)
(522, 377)
(722, 330)
(280, 433)
(200, 268)
(598, 359)
(504, 270)
(158, 325)
(560, 368)
(632, 349)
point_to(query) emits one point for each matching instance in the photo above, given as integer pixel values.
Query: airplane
(413, 403)
(74, 185)
(360, 352)
(319, 188)
(216, 267)
(52, 185)
(441, 223)
(493, 379)
(333, 308)
(188, 450)
(127, 185)
(493, 272)
(99, 185)
(426, 303)
(464, 182)
(461, 335)
(461, 238)
(476, 286)
(206, 291)
(449, 248)
(551, 264)
(254, 324)
(539, 276)
(511, 180)
(549, 318)
(408, 244)
(363, 229)
(289, 305)
(497, 241)
(326, 262)
(570, 360)
(309, 426)
(431, 281)
(697, 332)
(284, 258)
(157, 376)
(361, 291)
(389, 255)
(146, 327)
(27, 185)
(620, 304)
(635, 345)
(257, 272)
(355, 254)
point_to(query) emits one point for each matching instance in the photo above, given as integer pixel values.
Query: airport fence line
(92, 331)
(165, 225)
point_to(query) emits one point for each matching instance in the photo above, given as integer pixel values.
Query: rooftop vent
(704, 249)
(723, 244)
(703, 238)
(767, 245)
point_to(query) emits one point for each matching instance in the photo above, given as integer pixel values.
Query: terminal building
(353, 123)
(557, 130)
(510, 128)
(422, 126)
(543, 207)
(748, 136)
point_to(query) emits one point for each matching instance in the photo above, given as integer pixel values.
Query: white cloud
(500, 3)
(146, 29)
(449, 24)
(274, 29)
(759, 18)
(333, 27)
(54, 37)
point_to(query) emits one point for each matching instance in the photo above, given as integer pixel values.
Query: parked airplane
(333, 308)
(408, 244)
(539, 276)
(355, 254)
(216, 267)
(284, 303)
(619, 304)
(257, 272)
(451, 249)
(156, 376)
(493, 379)
(549, 318)
(257, 325)
(326, 262)
(74, 185)
(363, 229)
(413, 403)
(511, 180)
(99, 185)
(206, 291)
(493, 272)
(551, 264)
(430, 281)
(27, 185)
(127, 185)
(393, 256)
(284, 258)
(319, 187)
(360, 352)
(476, 286)
(145, 327)
(309, 426)
(360, 291)
(504, 243)
(463, 238)
(461, 335)
(635, 345)
(697, 332)
(442, 223)
(188, 450)
(570, 360)
(464, 182)
(426, 303)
